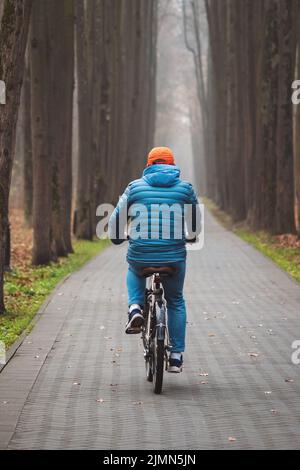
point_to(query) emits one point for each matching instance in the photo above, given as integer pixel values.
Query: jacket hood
(161, 175)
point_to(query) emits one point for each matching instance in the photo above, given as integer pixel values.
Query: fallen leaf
(253, 354)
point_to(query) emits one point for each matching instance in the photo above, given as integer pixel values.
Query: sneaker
(135, 322)
(175, 365)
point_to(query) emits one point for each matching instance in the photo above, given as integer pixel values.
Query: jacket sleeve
(194, 225)
(118, 220)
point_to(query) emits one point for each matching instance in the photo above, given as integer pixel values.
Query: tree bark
(40, 49)
(27, 162)
(287, 39)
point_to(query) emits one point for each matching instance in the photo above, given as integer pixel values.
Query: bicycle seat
(164, 271)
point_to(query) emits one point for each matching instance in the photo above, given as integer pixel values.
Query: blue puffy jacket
(141, 203)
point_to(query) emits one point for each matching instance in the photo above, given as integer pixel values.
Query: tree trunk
(40, 128)
(285, 221)
(297, 135)
(14, 25)
(84, 216)
(27, 162)
(61, 84)
(266, 118)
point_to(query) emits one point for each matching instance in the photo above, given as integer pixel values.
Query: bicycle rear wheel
(149, 368)
(158, 364)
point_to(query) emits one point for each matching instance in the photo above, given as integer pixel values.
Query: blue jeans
(173, 288)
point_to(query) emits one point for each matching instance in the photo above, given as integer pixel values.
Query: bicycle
(155, 333)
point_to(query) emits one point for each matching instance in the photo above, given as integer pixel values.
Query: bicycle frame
(154, 296)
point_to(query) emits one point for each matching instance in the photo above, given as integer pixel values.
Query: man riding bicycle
(153, 242)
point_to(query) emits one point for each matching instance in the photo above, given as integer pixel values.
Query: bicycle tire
(149, 363)
(158, 369)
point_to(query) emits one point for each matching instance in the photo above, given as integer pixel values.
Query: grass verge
(27, 287)
(283, 250)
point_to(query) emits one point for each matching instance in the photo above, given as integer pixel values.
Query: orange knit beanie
(160, 155)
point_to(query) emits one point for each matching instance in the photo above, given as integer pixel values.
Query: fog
(175, 86)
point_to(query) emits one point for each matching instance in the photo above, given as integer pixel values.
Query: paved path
(239, 303)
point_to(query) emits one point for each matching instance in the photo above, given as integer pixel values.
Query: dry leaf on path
(253, 354)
